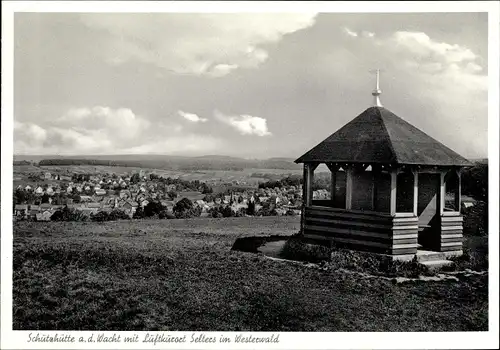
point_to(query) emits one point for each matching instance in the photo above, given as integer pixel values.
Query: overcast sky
(251, 85)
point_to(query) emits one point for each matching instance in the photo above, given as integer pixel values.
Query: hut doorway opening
(428, 211)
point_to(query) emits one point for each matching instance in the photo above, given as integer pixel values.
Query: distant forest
(180, 164)
(21, 162)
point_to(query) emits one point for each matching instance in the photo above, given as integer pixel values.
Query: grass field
(182, 275)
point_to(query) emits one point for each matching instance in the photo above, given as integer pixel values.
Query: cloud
(103, 130)
(210, 45)
(423, 46)
(444, 64)
(364, 33)
(192, 117)
(447, 80)
(122, 123)
(350, 32)
(222, 69)
(472, 67)
(57, 140)
(440, 86)
(245, 124)
(30, 131)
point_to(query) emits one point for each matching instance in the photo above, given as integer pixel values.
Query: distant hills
(207, 162)
(167, 162)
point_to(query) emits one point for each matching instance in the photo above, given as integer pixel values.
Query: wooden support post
(308, 181)
(394, 179)
(312, 167)
(333, 170)
(415, 192)
(372, 207)
(376, 175)
(348, 187)
(305, 180)
(442, 191)
(374, 187)
(304, 196)
(334, 185)
(458, 194)
(310, 175)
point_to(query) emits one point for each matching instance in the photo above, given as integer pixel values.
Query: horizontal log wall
(380, 233)
(404, 235)
(451, 232)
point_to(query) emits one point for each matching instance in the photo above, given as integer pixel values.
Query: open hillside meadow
(182, 275)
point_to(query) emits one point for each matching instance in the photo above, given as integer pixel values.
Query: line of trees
(97, 162)
(182, 164)
(181, 185)
(321, 181)
(182, 210)
(292, 180)
(475, 181)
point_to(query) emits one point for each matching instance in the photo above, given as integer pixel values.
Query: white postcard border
(460, 340)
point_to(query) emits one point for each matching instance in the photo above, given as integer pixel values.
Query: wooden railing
(362, 230)
(451, 232)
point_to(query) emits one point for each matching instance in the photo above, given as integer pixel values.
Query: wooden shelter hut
(394, 189)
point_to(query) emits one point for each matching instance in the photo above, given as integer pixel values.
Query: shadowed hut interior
(395, 189)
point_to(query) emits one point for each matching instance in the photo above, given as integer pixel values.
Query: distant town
(61, 195)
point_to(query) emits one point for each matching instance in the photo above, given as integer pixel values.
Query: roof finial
(376, 93)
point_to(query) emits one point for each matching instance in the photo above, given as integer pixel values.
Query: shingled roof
(378, 136)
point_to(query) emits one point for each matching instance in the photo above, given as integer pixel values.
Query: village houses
(101, 192)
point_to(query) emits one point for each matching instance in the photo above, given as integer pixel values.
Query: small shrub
(114, 215)
(189, 213)
(165, 214)
(153, 208)
(240, 212)
(100, 216)
(216, 214)
(476, 219)
(139, 213)
(266, 211)
(473, 259)
(251, 208)
(224, 211)
(185, 209)
(117, 214)
(184, 204)
(77, 215)
(67, 214)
